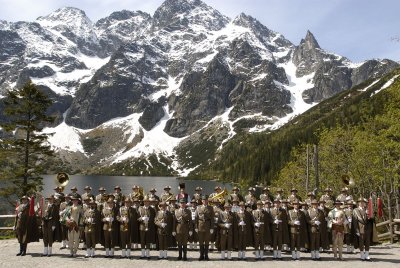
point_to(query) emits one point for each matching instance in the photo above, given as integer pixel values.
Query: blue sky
(357, 29)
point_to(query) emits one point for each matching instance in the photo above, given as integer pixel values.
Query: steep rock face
(307, 56)
(204, 95)
(152, 114)
(372, 68)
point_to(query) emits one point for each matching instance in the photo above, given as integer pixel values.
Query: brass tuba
(221, 196)
(62, 179)
(348, 181)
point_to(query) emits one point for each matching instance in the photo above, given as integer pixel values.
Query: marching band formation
(220, 221)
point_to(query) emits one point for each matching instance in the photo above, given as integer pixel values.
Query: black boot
(180, 253)
(201, 258)
(20, 250)
(206, 253)
(23, 249)
(185, 252)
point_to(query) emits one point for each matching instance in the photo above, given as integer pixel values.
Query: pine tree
(24, 148)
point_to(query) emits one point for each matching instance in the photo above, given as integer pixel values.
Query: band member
(243, 230)
(298, 231)
(101, 198)
(251, 198)
(152, 194)
(279, 229)
(108, 219)
(182, 194)
(90, 219)
(328, 198)
(342, 197)
(258, 223)
(124, 218)
(182, 228)
(349, 230)
(267, 225)
(193, 239)
(217, 191)
(134, 224)
(323, 227)
(64, 229)
(235, 195)
(163, 229)
(197, 195)
(216, 204)
(226, 221)
(88, 193)
(279, 194)
(136, 194)
(336, 223)
(203, 226)
(74, 193)
(315, 217)
(118, 196)
(363, 228)
(21, 225)
(74, 221)
(166, 195)
(266, 195)
(146, 220)
(294, 196)
(310, 197)
(58, 195)
(49, 222)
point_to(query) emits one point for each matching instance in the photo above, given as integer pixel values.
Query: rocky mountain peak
(309, 42)
(179, 14)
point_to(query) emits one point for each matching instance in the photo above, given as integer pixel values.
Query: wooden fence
(393, 227)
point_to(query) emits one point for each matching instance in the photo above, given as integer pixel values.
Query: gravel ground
(385, 255)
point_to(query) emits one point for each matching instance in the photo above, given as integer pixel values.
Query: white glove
(53, 228)
(196, 230)
(317, 223)
(107, 219)
(358, 234)
(163, 225)
(211, 231)
(123, 219)
(297, 222)
(111, 219)
(257, 224)
(350, 220)
(145, 219)
(173, 233)
(190, 233)
(276, 221)
(14, 228)
(227, 225)
(89, 220)
(242, 223)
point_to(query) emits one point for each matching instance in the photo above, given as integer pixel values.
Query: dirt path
(383, 256)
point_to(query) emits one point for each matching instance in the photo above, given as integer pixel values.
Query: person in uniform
(101, 198)
(161, 221)
(134, 223)
(118, 196)
(193, 239)
(279, 194)
(258, 227)
(294, 196)
(328, 198)
(197, 195)
(251, 199)
(242, 230)
(216, 204)
(124, 217)
(64, 230)
(266, 195)
(315, 218)
(166, 195)
(152, 194)
(204, 223)
(363, 228)
(182, 228)
(279, 228)
(146, 226)
(58, 195)
(49, 222)
(217, 191)
(136, 193)
(88, 193)
(90, 221)
(226, 221)
(349, 230)
(310, 197)
(74, 221)
(182, 193)
(21, 225)
(267, 225)
(74, 193)
(323, 227)
(235, 195)
(337, 222)
(108, 218)
(298, 229)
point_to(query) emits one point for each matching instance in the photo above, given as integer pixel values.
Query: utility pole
(308, 169)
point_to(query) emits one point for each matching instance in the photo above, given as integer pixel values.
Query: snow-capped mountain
(169, 89)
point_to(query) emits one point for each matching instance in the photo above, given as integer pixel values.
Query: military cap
(135, 187)
(227, 205)
(217, 187)
(58, 188)
(193, 201)
(266, 189)
(241, 203)
(167, 187)
(251, 189)
(235, 188)
(87, 188)
(259, 202)
(361, 199)
(50, 197)
(277, 201)
(102, 189)
(310, 194)
(198, 188)
(338, 202)
(24, 197)
(294, 190)
(110, 200)
(350, 202)
(204, 197)
(74, 188)
(117, 187)
(279, 190)
(153, 190)
(314, 201)
(295, 202)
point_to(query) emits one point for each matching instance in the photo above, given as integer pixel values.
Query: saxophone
(123, 211)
